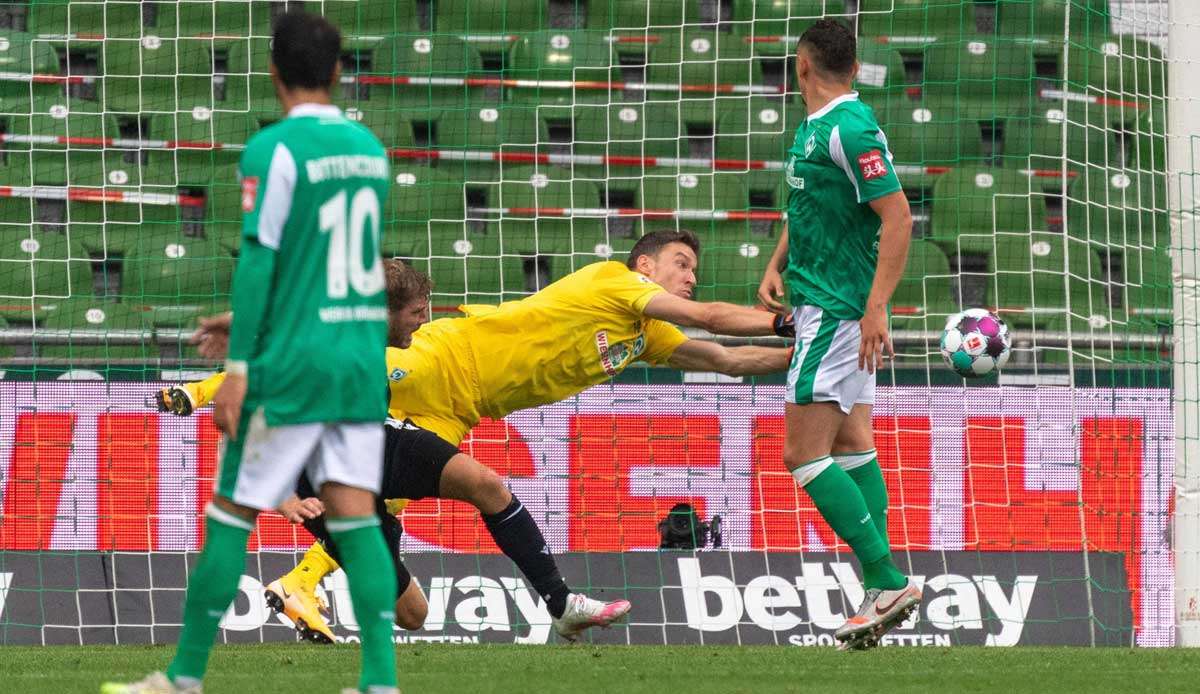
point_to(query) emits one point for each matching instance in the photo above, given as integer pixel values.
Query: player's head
(827, 52)
(669, 257)
(407, 301)
(305, 54)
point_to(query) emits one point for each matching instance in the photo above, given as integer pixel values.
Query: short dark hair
(832, 47)
(404, 284)
(305, 49)
(653, 242)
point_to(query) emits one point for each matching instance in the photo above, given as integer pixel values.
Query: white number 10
(345, 268)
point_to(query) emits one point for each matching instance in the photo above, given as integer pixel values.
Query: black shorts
(413, 461)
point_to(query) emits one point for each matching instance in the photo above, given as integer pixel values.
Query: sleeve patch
(249, 193)
(872, 165)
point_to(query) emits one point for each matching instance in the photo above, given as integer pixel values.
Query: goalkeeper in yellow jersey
(576, 333)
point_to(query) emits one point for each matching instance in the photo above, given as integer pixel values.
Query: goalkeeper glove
(784, 326)
(176, 400)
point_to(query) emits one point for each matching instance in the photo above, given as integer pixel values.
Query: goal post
(1183, 157)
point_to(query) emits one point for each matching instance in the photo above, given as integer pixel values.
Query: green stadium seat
(882, 80)
(639, 15)
(761, 131)
(247, 77)
(699, 57)
(1045, 18)
(988, 79)
(124, 331)
(1147, 284)
(1026, 277)
(22, 53)
(629, 129)
(913, 22)
(562, 56)
(425, 56)
(157, 74)
(38, 268)
(779, 18)
(1099, 342)
(973, 204)
(222, 17)
(198, 125)
(1129, 73)
(372, 17)
(468, 267)
(167, 269)
(1119, 207)
(424, 203)
(928, 136)
(113, 19)
(511, 129)
(482, 17)
(698, 191)
(925, 295)
(547, 187)
(731, 266)
(57, 117)
(391, 127)
(1036, 142)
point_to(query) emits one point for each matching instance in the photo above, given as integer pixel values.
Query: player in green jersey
(308, 340)
(848, 229)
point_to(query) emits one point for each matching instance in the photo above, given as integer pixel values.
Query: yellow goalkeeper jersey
(578, 332)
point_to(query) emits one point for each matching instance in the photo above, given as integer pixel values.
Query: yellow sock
(317, 564)
(203, 392)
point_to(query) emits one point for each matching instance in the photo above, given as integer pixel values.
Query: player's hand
(875, 340)
(174, 400)
(227, 404)
(212, 336)
(770, 291)
(298, 510)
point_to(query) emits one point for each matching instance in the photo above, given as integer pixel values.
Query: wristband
(237, 367)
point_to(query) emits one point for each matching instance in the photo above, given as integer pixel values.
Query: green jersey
(310, 277)
(838, 162)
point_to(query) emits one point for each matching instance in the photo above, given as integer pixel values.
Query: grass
(506, 669)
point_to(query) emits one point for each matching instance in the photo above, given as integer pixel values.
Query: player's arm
(716, 317)
(770, 290)
(703, 355)
(894, 237)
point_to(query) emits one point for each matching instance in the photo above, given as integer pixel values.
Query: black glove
(174, 400)
(784, 326)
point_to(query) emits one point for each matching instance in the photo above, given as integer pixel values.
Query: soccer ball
(975, 343)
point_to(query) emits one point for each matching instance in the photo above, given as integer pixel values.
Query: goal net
(1043, 146)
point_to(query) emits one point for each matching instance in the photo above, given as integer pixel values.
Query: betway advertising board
(991, 598)
(997, 475)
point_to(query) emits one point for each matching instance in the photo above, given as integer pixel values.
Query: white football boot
(881, 611)
(582, 613)
(155, 683)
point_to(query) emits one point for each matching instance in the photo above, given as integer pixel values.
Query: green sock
(842, 506)
(372, 581)
(211, 587)
(863, 468)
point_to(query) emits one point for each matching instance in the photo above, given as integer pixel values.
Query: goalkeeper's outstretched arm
(718, 318)
(702, 355)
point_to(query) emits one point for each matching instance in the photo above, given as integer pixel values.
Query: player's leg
(348, 470)
(517, 534)
(295, 594)
(258, 471)
(854, 452)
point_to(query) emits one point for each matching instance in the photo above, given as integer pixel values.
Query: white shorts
(261, 468)
(825, 365)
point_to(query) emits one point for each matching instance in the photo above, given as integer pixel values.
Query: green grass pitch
(305, 669)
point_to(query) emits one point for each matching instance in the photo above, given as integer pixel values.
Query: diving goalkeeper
(576, 333)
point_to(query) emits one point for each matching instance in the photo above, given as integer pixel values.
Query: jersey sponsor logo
(249, 193)
(871, 165)
(793, 180)
(397, 374)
